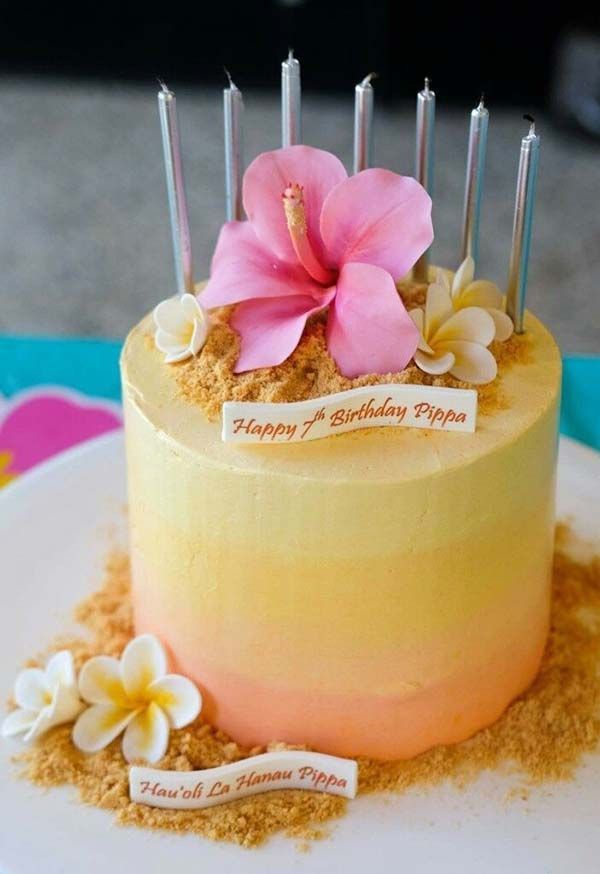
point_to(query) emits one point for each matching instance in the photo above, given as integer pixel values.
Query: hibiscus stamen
(293, 204)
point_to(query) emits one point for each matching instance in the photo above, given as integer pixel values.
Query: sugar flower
(467, 292)
(136, 695)
(45, 697)
(454, 342)
(181, 327)
(316, 238)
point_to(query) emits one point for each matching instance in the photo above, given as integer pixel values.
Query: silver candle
(180, 228)
(233, 108)
(522, 227)
(291, 113)
(478, 131)
(363, 124)
(424, 159)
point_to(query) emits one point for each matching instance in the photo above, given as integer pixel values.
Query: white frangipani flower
(45, 697)
(136, 695)
(454, 342)
(182, 327)
(467, 292)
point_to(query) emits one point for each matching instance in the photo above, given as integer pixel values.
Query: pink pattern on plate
(40, 423)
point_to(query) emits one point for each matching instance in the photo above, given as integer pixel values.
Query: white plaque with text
(412, 406)
(288, 769)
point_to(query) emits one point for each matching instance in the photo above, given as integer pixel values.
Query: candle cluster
(363, 148)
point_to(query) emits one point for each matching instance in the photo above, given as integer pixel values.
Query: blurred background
(84, 233)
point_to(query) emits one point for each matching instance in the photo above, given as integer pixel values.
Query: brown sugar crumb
(541, 737)
(518, 793)
(310, 372)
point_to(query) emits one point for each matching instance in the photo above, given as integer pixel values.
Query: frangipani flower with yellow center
(136, 695)
(454, 342)
(45, 697)
(181, 327)
(467, 292)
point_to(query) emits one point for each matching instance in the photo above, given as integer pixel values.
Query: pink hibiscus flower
(316, 238)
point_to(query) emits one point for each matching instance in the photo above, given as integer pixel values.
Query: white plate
(55, 525)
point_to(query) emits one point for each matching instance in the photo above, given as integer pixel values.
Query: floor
(84, 234)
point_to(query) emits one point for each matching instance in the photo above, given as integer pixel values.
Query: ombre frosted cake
(375, 592)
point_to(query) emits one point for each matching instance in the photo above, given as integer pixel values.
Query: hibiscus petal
(170, 316)
(473, 362)
(99, 725)
(377, 217)
(143, 661)
(100, 682)
(178, 697)
(147, 735)
(438, 305)
(368, 329)
(31, 689)
(473, 324)
(243, 268)
(481, 293)
(60, 670)
(271, 329)
(503, 323)
(435, 364)
(17, 722)
(265, 181)
(463, 276)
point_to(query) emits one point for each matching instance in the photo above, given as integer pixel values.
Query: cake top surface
(209, 378)
(170, 400)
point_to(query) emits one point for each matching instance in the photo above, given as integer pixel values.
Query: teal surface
(91, 367)
(580, 409)
(88, 366)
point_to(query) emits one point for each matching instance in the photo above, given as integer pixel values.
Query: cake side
(364, 573)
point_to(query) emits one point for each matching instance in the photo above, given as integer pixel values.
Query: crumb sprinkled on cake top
(310, 372)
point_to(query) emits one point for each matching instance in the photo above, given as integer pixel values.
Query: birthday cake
(341, 472)
(321, 535)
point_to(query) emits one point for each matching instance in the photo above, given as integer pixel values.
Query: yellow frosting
(386, 566)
